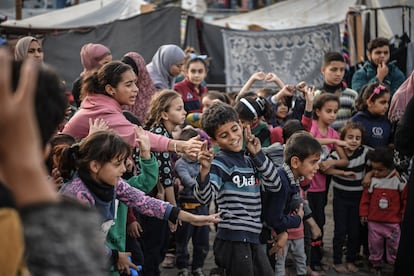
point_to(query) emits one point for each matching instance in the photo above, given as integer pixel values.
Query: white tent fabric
(88, 14)
(290, 14)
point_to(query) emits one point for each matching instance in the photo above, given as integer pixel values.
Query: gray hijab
(22, 46)
(159, 68)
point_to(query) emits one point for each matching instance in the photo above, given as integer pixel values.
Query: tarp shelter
(142, 33)
(294, 38)
(292, 16)
(87, 14)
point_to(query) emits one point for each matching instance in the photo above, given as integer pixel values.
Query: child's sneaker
(169, 261)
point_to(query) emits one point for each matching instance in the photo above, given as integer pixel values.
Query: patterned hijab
(144, 84)
(400, 99)
(159, 68)
(22, 47)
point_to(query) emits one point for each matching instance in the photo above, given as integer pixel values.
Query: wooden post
(19, 4)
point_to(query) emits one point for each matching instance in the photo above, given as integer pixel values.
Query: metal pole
(19, 4)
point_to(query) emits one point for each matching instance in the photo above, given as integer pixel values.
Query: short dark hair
(377, 42)
(217, 115)
(332, 56)
(290, 127)
(302, 145)
(187, 133)
(383, 155)
(50, 99)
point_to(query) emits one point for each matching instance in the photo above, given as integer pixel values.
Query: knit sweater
(234, 181)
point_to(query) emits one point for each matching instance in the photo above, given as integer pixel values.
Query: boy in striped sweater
(233, 178)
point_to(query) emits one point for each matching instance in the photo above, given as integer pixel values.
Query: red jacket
(385, 199)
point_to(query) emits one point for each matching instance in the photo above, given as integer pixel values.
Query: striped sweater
(234, 181)
(357, 164)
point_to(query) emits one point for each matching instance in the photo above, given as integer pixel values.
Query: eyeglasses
(377, 91)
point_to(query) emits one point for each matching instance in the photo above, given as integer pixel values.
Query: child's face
(327, 114)
(353, 137)
(282, 110)
(306, 168)
(175, 69)
(196, 72)
(176, 114)
(334, 72)
(380, 105)
(379, 170)
(379, 55)
(126, 91)
(207, 102)
(110, 172)
(229, 136)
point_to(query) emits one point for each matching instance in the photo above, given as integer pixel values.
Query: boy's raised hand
(252, 142)
(205, 156)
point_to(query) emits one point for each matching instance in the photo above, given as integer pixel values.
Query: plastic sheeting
(88, 14)
(290, 15)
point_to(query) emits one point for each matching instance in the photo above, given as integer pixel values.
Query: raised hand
(97, 125)
(382, 71)
(252, 142)
(142, 139)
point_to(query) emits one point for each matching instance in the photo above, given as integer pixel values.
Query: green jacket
(145, 182)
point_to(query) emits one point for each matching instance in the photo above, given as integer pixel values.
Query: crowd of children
(266, 160)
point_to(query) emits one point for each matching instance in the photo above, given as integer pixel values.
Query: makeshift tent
(87, 14)
(238, 34)
(294, 38)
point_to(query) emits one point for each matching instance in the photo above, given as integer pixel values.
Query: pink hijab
(91, 54)
(145, 86)
(400, 99)
(22, 47)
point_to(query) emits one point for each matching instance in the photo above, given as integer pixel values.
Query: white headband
(249, 106)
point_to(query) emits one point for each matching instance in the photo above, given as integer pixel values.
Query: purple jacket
(125, 193)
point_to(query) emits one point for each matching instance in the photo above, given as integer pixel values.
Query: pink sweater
(104, 107)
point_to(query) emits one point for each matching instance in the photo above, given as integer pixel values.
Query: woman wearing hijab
(400, 99)
(166, 66)
(146, 88)
(28, 47)
(93, 56)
